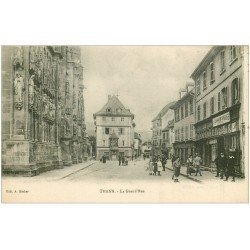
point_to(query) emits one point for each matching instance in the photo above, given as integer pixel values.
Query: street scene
(161, 119)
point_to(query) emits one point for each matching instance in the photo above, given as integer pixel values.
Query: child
(159, 167)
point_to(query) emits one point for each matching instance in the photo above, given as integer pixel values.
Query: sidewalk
(206, 174)
(58, 174)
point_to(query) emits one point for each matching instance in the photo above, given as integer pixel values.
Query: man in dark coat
(163, 162)
(222, 164)
(230, 170)
(104, 159)
(217, 166)
(120, 160)
(173, 160)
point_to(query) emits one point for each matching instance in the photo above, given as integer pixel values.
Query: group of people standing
(123, 160)
(193, 166)
(225, 166)
(157, 164)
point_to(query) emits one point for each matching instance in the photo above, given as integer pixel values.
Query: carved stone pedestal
(18, 158)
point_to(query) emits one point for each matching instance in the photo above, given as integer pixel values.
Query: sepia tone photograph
(124, 124)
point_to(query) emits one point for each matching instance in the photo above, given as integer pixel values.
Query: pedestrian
(126, 161)
(222, 164)
(177, 169)
(144, 156)
(197, 164)
(104, 159)
(155, 166)
(217, 166)
(159, 167)
(163, 161)
(173, 160)
(123, 160)
(189, 165)
(230, 169)
(151, 167)
(120, 160)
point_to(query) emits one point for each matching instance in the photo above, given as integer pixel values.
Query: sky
(146, 78)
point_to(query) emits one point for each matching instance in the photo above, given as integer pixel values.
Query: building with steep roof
(114, 130)
(159, 123)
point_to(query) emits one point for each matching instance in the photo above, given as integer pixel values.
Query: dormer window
(108, 110)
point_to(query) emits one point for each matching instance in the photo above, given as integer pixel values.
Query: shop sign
(222, 119)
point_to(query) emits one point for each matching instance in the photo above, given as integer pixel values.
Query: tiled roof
(114, 107)
(164, 111)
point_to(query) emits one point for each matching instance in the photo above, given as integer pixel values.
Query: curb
(76, 171)
(188, 177)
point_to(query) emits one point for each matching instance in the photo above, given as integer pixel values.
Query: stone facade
(158, 124)
(114, 130)
(184, 143)
(43, 124)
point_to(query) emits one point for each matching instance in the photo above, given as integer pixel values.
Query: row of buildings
(115, 131)
(43, 122)
(211, 113)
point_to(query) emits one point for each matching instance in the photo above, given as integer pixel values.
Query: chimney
(109, 96)
(189, 86)
(182, 92)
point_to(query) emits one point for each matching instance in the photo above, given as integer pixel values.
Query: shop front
(183, 150)
(217, 134)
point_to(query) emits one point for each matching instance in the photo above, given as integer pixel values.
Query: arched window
(235, 91)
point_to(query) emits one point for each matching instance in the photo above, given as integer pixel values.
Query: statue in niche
(18, 91)
(52, 109)
(75, 129)
(31, 86)
(18, 57)
(45, 105)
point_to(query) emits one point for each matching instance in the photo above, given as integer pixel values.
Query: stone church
(114, 130)
(43, 124)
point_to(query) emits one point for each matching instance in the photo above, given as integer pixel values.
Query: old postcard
(124, 124)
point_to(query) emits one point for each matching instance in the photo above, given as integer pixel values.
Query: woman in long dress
(177, 169)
